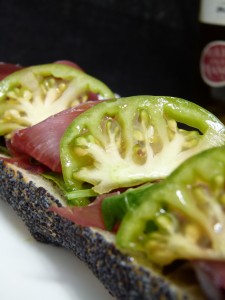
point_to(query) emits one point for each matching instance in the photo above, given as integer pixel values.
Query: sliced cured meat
(211, 275)
(89, 215)
(25, 162)
(42, 140)
(6, 69)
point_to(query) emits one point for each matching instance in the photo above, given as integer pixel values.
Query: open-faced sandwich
(133, 186)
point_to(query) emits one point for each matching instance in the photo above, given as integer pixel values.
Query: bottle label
(212, 12)
(212, 64)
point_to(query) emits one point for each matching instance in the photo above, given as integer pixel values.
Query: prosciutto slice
(42, 140)
(89, 215)
(211, 276)
(6, 69)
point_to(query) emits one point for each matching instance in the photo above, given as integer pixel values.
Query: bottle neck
(212, 12)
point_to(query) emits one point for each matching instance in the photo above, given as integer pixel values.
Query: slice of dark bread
(125, 278)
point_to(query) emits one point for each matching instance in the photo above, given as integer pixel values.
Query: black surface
(136, 47)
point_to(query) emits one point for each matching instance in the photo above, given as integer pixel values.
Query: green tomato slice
(129, 141)
(181, 217)
(32, 94)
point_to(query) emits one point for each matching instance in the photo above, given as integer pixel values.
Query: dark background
(134, 46)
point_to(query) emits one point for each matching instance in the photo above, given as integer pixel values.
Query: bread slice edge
(31, 195)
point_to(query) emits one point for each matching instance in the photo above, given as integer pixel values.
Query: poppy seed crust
(123, 278)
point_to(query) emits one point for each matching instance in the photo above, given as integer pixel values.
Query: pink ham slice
(6, 69)
(42, 140)
(25, 162)
(211, 276)
(89, 215)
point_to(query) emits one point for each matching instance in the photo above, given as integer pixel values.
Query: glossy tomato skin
(110, 129)
(7, 69)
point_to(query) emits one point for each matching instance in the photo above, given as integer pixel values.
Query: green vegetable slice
(130, 141)
(74, 198)
(182, 217)
(114, 208)
(32, 94)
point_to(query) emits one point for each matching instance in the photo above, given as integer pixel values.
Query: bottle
(211, 61)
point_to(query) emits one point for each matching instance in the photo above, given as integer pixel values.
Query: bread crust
(123, 277)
